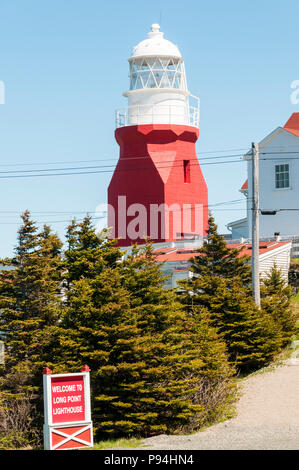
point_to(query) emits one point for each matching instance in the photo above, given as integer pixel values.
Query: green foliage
(220, 286)
(216, 259)
(151, 363)
(276, 301)
(30, 311)
(161, 362)
(86, 254)
(155, 367)
(249, 334)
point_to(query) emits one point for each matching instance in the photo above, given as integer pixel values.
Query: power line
(67, 173)
(116, 159)
(97, 169)
(49, 221)
(102, 168)
(212, 206)
(112, 164)
(198, 154)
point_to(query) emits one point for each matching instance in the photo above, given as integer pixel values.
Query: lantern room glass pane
(151, 82)
(171, 65)
(156, 72)
(144, 77)
(158, 76)
(177, 81)
(165, 81)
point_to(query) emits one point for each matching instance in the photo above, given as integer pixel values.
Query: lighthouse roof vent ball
(156, 45)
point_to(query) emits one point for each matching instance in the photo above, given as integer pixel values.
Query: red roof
(184, 254)
(245, 186)
(292, 125)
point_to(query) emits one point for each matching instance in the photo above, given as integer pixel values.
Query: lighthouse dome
(156, 45)
(156, 63)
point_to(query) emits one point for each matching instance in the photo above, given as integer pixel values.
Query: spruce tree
(151, 364)
(30, 307)
(217, 259)
(221, 286)
(275, 300)
(86, 254)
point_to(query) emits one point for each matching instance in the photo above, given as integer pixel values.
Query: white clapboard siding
(280, 256)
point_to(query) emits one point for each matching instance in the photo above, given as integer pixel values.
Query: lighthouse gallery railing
(157, 114)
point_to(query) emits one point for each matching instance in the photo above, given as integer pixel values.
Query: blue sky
(64, 65)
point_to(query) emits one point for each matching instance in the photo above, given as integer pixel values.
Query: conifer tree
(217, 259)
(30, 308)
(275, 300)
(151, 364)
(86, 254)
(220, 285)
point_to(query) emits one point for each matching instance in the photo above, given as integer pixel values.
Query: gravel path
(267, 418)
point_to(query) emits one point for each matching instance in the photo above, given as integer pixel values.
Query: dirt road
(267, 418)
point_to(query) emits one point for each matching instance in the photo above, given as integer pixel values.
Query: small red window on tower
(187, 176)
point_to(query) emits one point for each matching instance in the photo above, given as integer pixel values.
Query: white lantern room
(158, 92)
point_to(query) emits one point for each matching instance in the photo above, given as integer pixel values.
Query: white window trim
(282, 162)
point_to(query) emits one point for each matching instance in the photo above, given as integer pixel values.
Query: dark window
(187, 175)
(282, 176)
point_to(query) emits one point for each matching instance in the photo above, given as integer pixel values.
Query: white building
(176, 258)
(278, 184)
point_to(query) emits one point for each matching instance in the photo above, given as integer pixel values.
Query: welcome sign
(67, 410)
(68, 399)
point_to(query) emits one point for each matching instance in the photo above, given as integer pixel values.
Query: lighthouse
(157, 191)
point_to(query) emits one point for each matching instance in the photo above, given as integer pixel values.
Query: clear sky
(64, 66)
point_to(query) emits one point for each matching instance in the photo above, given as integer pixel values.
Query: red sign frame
(67, 410)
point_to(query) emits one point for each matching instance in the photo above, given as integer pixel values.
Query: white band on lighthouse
(158, 92)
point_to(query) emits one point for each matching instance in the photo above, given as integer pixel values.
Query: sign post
(2, 355)
(67, 410)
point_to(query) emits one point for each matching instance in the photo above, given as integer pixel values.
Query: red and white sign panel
(71, 437)
(67, 399)
(67, 410)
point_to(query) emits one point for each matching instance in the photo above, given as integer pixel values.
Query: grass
(132, 443)
(117, 443)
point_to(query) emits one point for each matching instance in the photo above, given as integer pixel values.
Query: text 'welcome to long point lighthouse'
(157, 190)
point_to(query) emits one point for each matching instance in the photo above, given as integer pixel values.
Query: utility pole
(255, 226)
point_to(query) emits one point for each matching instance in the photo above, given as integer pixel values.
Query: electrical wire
(98, 169)
(66, 171)
(212, 206)
(123, 158)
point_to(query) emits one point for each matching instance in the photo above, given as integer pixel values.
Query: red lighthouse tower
(157, 190)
